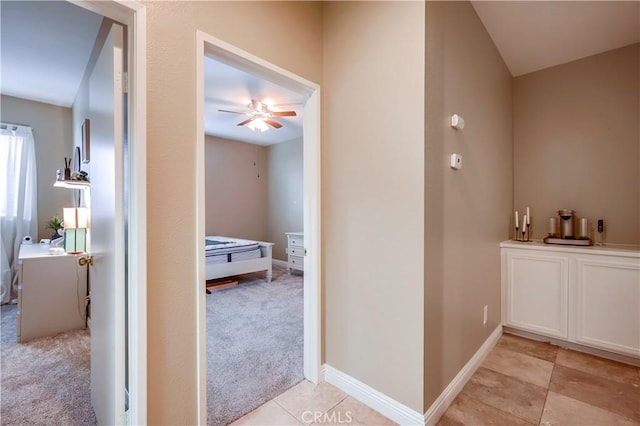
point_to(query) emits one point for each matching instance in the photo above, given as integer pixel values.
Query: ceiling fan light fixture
(260, 117)
(258, 124)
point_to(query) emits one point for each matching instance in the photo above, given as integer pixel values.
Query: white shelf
(72, 184)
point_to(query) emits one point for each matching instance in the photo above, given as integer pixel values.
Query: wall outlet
(486, 315)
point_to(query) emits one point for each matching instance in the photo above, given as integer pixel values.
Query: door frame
(207, 45)
(132, 14)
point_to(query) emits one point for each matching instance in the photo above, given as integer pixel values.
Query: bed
(226, 256)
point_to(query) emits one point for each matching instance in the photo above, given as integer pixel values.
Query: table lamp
(76, 222)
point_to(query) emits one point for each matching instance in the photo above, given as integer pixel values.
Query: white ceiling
(533, 35)
(44, 50)
(229, 88)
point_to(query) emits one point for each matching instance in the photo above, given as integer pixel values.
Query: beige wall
(372, 194)
(466, 211)
(265, 29)
(577, 142)
(253, 191)
(236, 189)
(285, 213)
(53, 138)
(80, 105)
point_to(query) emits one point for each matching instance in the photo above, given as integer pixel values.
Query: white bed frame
(264, 263)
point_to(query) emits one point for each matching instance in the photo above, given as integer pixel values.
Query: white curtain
(18, 201)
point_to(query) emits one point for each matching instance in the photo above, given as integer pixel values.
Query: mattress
(233, 257)
(225, 249)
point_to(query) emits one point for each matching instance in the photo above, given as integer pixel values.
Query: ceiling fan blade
(272, 123)
(247, 121)
(233, 112)
(283, 113)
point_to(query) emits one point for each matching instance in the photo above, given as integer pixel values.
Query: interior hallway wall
(577, 142)
(53, 138)
(373, 194)
(284, 193)
(265, 29)
(236, 189)
(467, 210)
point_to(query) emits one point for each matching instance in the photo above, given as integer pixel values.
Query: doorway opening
(209, 47)
(76, 138)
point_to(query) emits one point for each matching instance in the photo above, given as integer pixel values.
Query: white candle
(524, 223)
(528, 217)
(517, 219)
(551, 228)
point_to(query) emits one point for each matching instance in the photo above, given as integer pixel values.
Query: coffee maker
(565, 233)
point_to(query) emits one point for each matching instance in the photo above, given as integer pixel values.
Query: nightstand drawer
(296, 240)
(296, 251)
(296, 262)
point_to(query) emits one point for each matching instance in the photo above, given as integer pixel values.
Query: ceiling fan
(261, 116)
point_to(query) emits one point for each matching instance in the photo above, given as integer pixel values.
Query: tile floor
(521, 382)
(307, 404)
(524, 382)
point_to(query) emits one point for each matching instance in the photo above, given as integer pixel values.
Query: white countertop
(33, 251)
(607, 249)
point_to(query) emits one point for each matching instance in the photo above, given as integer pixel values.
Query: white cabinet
(584, 295)
(295, 251)
(538, 285)
(51, 293)
(607, 295)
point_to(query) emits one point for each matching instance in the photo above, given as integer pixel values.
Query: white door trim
(133, 15)
(216, 48)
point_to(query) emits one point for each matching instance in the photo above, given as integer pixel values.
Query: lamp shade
(75, 217)
(83, 217)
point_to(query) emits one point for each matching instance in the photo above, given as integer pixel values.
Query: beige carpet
(254, 343)
(44, 381)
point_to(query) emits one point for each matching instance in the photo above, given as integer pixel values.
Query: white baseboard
(447, 396)
(277, 262)
(376, 400)
(399, 412)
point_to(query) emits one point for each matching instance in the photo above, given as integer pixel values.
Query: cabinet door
(608, 303)
(536, 290)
